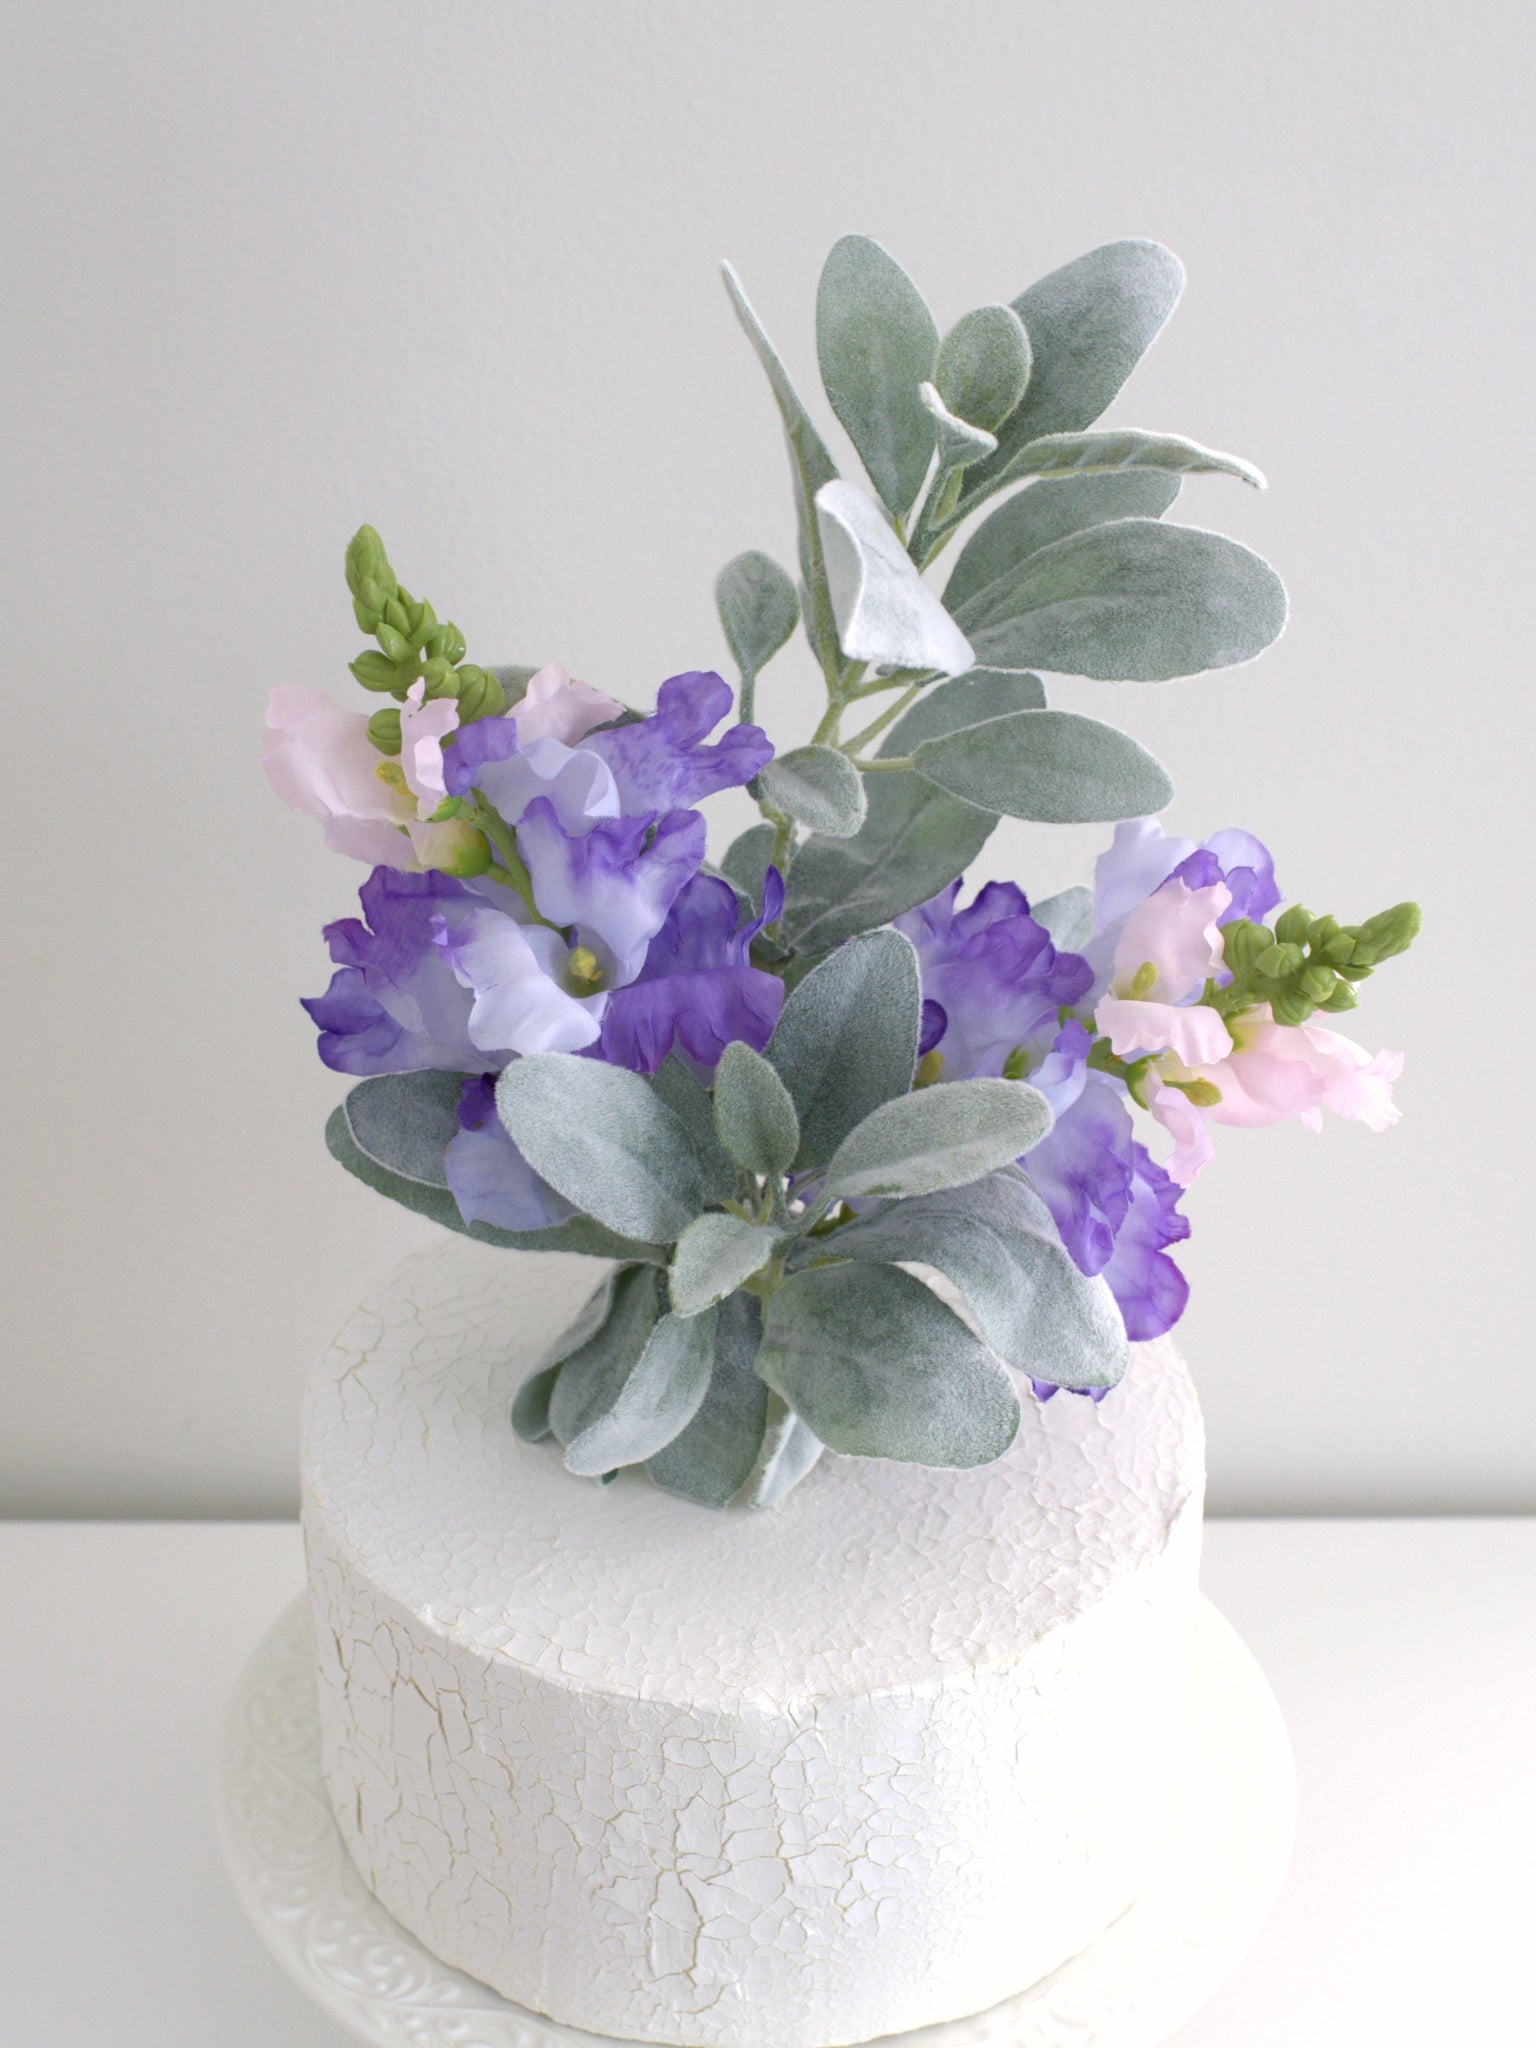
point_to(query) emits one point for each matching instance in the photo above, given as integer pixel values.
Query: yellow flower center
(583, 971)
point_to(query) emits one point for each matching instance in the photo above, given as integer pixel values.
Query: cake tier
(877, 1757)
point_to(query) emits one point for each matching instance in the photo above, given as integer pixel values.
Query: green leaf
(1047, 511)
(876, 341)
(605, 1140)
(714, 1255)
(880, 1368)
(1068, 917)
(659, 1397)
(980, 694)
(391, 1133)
(1107, 453)
(938, 1138)
(688, 1099)
(885, 612)
(982, 367)
(1134, 601)
(754, 1113)
(591, 1376)
(847, 1039)
(1089, 324)
(959, 443)
(913, 842)
(819, 786)
(530, 1405)
(996, 1241)
(714, 1456)
(759, 609)
(789, 1449)
(1056, 767)
(810, 467)
(746, 861)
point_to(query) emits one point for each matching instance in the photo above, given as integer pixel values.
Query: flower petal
(607, 882)
(1176, 932)
(1195, 1035)
(557, 707)
(519, 1004)
(661, 761)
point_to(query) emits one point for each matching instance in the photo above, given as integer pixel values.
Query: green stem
(872, 731)
(746, 698)
(500, 834)
(883, 767)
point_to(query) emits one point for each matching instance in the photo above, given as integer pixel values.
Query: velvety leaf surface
(886, 613)
(1056, 767)
(714, 1255)
(759, 609)
(714, 1456)
(754, 1112)
(1048, 511)
(980, 694)
(983, 365)
(591, 1375)
(938, 1137)
(876, 342)
(847, 1039)
(819, 786)
(658, 1398)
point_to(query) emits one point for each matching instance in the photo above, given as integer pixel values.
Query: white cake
(874, 1758)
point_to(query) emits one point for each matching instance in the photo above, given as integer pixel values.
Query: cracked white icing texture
(790, 1779)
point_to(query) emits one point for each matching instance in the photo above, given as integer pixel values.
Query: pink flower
(320, 760)
(1194, 1035)
(557, 707)
(1175, 934)
(1192, 1147)
(423, 726)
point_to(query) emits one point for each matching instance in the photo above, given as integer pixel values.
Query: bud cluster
(414, 646)
(1307, 963)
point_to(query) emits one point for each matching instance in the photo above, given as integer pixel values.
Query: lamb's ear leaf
(885, 612)
(982, 367)
(714, 1256)
(847, 1039)
(1049, 511)
(876, 343)
(878, 1367)
(754, 1112)
(714, 1456)
(1068, 917)
(688, 1099)
(759, 609)
(960, 444)
(530, 1405)
(996, 1242)
(810, 467)
(818, 785)
(970, 699)
(913, 842)
(1055, 767)
(1134, 601)
(657, 1399)
(1108, 451)
(591, 1375)
(393, 1118)
(938, 1138)
(745, 863)
(605, 1140)
(1089, 324)
(789, 1449)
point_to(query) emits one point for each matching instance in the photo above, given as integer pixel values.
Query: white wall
(276, 269)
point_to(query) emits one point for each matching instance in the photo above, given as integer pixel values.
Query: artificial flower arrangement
(768, 1089)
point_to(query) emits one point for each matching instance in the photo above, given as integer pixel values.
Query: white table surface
(1403, 1654)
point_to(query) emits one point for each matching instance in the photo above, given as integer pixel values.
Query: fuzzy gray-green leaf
(819, 786)
(658, 1398)
(1055, 767)
(688, 1099)
(1109, 451)
(530, 1405)
(970, 699)
(715, 1254)
(789, 1450)
(938, 1137)
(1047, 511)
(1134, 601)
(754, 1112)
(745, 862)
(714, 1456)
(605, 1140)
(591, 1375)
(878, 1367)
(847, 1039)
(885, 612)
(1089, 324)
(959, 443)
(996, 1241)
(982, 367)
(913, 842)
(1068, 917)
(392, 1132)
(759, 609)
(876, 342)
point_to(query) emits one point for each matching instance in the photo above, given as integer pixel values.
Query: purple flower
(614, 883)
(1142, 857)
(992, 980)
(575, 780)
(394, 1006)
(698, 989)
(662, 761)
(489, 1178)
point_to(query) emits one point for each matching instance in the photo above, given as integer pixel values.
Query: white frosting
(787, 1779)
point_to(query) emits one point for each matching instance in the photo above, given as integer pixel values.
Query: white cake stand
(1149, 1971)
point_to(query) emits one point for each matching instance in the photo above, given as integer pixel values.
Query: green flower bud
(1321, 930)
(393, 642)
(397, 615)
(463, 852)
(369, 575)
(1276, 962)
(450, 807)
(377, 672)
(384, 730)
(1291, 925)
(1343, 998)
(1316, 981)
(931, 1066)
(480, 695)
(1289, 1007)
(1016, 1066)
(1339, 950)
(365, 613)
(1388, 933)
(440, 679)
(1242, 943)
